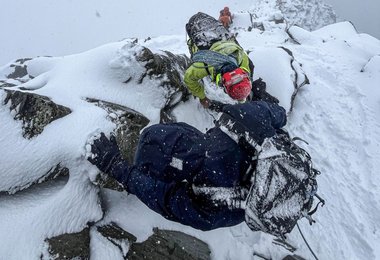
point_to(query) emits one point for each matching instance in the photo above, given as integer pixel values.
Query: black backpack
(204, 30)
(283, 186)
(281, 177)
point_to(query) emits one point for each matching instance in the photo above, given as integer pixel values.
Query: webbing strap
(214, 59)
(237, 131)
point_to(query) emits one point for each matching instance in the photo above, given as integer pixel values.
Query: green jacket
(199, 70)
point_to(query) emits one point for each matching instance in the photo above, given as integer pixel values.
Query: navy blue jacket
(171, 158)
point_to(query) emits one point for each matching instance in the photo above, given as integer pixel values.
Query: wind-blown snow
(337, 113)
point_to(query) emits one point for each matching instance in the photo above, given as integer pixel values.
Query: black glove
(259, 92)
(105, 152)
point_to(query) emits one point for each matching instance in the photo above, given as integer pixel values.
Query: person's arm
(277, 114)
(107, 157)
(245, 63)
(259, 118)
(192, 78)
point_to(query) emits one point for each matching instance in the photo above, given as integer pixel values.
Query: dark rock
(300, 78)
(259, 25)
(107, 182)
(34, 111)
(69, 246)
(128, 126)
(293, 257)
(169, 68)
(19, 72)
(4, 84)
(166, 244)
(129, 123)
(16, 73)
(113, 231)
(278, 21)
(308, 14)
(54, 173)
(20, 69)
(117, 236)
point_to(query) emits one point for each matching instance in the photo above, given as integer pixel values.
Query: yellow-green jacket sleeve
(245, 64)
(193, 75)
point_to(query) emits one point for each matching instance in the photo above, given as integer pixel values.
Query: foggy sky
(365, 14)
(56, 28)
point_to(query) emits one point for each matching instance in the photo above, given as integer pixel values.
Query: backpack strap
(207, 70)
(232, 197)
(238, 132)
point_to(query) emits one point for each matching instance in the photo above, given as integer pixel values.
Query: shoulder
(226, 47)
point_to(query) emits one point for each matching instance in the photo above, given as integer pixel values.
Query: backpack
(283, 186)
(204, 30)
(281, 177)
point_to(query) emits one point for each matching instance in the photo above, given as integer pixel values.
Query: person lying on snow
(216, 53)
(237, 171)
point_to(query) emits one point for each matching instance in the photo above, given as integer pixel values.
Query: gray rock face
(120, 238)
(34, 111)
(308, 14)
(170, 68)
(293, 257)
(52, 174)
(128, 122)
(37, 111)
(17, 73)
(163, 244)
(300, 79)
(166, 244)
(69, 246)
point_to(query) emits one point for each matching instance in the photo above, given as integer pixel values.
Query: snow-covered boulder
(120, 88)
(269, 14)
(39, 95)
(118, 243)
(308, 14)
(50, 107)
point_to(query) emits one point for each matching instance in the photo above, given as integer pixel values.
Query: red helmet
(237, 84)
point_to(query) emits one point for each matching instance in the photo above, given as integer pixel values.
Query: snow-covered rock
(268, 14)
(336, 112)
(28, 84)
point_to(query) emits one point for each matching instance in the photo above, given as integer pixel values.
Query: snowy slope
(336, 113)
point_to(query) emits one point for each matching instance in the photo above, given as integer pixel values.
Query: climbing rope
(304, 239)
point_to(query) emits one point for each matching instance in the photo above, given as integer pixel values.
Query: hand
(205, 102)
(105, 153)
(260, 93)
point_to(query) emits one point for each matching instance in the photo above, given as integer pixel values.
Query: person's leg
(170, 152)
(175, 202)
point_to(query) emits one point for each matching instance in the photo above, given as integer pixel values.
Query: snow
(337, 114)
(279, 83)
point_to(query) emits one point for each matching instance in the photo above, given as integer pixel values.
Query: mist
(364, 14)
(56, 28)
